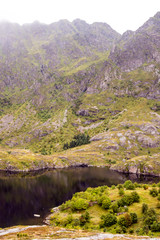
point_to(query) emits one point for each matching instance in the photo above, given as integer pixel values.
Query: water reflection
(22, 197)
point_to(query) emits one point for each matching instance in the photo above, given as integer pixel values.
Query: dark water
(22, 197)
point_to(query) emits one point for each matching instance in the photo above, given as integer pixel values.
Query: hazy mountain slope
(61, 79)
(37, 54)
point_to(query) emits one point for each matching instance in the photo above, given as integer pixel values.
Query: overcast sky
(121, 15)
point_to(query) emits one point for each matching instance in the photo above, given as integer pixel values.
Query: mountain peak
(81, 25)
(157, 15)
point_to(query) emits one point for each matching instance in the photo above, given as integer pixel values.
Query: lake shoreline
(79, 165)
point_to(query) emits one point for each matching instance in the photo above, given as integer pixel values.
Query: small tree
(108, 220)
(121, 192)
(144, 208)
(134, 217)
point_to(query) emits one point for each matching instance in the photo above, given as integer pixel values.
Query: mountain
(65, 78)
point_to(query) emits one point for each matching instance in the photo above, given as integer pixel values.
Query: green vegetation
(135, 212)
(78, 140)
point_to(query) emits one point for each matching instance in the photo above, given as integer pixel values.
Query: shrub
(120, 186)
(150, 217)
(127, 199)
(158, 205)
(118, 229)
(153, 192)
(134, 217)
(135, 196)
(79, 204)
(120, 202)
(144, 208)
(145, 229)
(108, 220)
(125, 220)
(124, 230)
(84, 218)
(155, 227)
(114, 207)
(121, 192)
(129, 185)
(139, 231)
(145, 186)
(113, 187)
(76, 222)
(131, 231)
(106, 203)
(154, 185)
(101, 199)
(137, 185)
(69, 218)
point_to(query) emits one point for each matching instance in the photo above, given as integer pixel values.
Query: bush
(151, 217)
(153, 192)
(101, 198)
(84, 218)
(129, 185)
(145, 186)
(120, 186)
(131, 231)
(155, 227)
(114, 207)
(127, 200)
(134, 217)
(121, 192)
(118, 229)
(135, 196)
(79, 204)
(139, 231)
(124, 230)
(144, 208)
(145, 229)
(76, 222)
(154, 185)
(125, 220)
(108, 220)
(106, 203)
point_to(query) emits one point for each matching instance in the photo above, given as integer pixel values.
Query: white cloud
(120, 14)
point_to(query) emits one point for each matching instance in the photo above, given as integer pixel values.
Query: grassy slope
(61, 217)
(122, 136)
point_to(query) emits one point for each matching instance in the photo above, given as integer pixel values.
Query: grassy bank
(129, 208)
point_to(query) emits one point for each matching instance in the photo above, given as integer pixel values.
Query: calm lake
(22, 197)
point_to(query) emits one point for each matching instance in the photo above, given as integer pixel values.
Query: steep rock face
(139, 47)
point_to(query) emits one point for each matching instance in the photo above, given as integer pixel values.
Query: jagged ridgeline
(69, 78)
